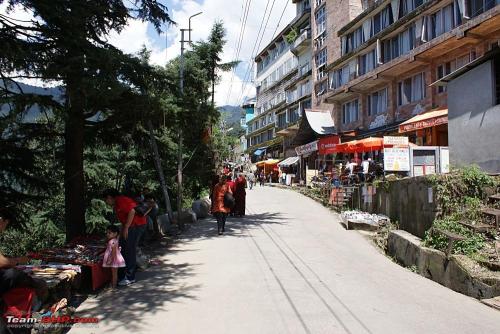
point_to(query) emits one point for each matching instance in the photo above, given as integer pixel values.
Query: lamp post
(179, 155)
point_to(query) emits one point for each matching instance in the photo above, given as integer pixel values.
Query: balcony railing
(302, 42)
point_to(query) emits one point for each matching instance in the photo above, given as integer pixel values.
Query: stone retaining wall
(407, 201)
(458, 273)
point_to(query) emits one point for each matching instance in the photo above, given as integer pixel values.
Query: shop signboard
(328, 145)
(395, 141)
(307, 148)
(422, 124)
(397, 159)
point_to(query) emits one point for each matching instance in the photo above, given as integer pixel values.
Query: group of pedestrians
(223, 188)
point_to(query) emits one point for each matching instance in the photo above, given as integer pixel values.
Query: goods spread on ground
(82, 251)
(364, 217)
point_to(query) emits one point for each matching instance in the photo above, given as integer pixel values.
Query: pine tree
(67, 44)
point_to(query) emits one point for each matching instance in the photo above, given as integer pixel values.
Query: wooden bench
(492, 213)
(452, 237)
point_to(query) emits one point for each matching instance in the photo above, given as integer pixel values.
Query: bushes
(472, 244)
(453, 189)
(460, 195)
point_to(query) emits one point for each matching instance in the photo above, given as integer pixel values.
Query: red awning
(425, 120)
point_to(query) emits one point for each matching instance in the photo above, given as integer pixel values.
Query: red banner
(328, 145)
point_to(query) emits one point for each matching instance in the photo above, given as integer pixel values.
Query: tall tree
(66, 42)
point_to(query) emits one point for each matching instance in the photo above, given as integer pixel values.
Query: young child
(112, 257)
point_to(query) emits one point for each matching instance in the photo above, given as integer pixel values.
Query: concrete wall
(474, 121)
(406, 201)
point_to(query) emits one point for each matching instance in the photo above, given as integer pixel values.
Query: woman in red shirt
(219, 210)
(133, 226)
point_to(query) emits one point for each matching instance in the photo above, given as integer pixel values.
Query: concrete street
(288, 267)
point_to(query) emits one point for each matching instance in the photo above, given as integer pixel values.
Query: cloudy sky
(165, 47)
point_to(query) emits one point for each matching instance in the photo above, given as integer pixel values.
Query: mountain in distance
(232, 115)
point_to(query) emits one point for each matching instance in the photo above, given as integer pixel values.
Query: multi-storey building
(327, 18)
(391, 53)
(283, 86)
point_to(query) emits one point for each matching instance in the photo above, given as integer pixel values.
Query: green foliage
(453, 189)
(39, 234)
(125, 92)
(472, 244)
(292, 36)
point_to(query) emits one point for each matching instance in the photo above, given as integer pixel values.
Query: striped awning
(289, 162)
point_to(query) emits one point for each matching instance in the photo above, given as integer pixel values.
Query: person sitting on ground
(10, 277)
(133, 226)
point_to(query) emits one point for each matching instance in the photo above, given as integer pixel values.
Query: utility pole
(179, 153)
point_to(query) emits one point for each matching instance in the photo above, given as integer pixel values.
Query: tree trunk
(74, 186)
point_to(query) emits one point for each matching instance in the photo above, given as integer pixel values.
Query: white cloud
(131, 39)
(230, 14)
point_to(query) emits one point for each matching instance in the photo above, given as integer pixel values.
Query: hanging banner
(307, 148)
(328, 145)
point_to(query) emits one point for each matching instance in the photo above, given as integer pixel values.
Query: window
(367, 62)
(411, 89)
(442, 71)
(350, 112)
(320, 21)
(442, 21)
(399, 45)
(377, 102)
(321, 58)
(339, 77)
(282, 120)
(293, 115)
(354, 40)
(477, 7)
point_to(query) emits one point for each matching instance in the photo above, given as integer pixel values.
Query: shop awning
(370, 144)
(289, 162)
(425, 120)
(320, 121)
(259, 151)
(268, 162)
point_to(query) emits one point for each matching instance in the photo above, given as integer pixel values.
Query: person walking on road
(240, 195)
(219, 210)
(262, 178)
(251, 180)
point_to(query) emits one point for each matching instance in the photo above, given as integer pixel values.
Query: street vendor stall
(83, 251)
(288, 168)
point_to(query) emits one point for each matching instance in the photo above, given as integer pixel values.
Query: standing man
(133, 226)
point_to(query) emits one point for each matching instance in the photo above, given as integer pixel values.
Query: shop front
(306, 153)
(427, 129)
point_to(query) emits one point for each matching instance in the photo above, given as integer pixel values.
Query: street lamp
(179, 156)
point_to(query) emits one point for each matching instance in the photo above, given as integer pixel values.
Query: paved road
(288, 267)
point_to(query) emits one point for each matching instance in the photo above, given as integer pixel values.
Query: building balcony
(476, 30)
(260, 130)
(302, 43)
(268, 143)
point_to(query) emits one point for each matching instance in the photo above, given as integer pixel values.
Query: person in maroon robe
(240, 195)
